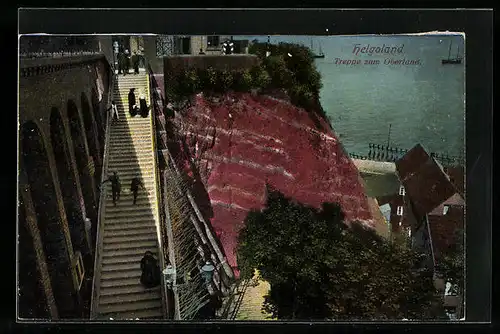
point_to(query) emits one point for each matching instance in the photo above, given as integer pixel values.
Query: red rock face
(243, 141)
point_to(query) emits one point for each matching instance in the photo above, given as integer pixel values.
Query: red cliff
(243, 141)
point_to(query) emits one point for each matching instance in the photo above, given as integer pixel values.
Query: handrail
(102, 200)
(158, 195)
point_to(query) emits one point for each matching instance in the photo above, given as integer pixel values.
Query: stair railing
(102, 202)
(161, 242)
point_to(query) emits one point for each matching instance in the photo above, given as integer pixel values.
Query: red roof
(457, 177)
(261, 140)
(443, 229)
(425, 182)
(411, 162)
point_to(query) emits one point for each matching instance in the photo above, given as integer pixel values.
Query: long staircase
(126, 230)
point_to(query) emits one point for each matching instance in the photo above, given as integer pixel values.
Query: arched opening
(68, 186)
(92, 137)
(101, 120)
(81, 158)
(32, 302)
(41, 184)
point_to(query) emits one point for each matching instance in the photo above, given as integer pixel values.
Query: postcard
(313, 178)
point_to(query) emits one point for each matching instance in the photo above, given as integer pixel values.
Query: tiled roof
(411, 162)
(426, 183)
(457, 177)
(443, 229)
(428, 188)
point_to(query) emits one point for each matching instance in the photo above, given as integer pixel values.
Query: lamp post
(115, 53)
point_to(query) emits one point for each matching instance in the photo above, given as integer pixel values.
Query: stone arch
(92, 136)
(36, 164)
(32, 301)
(69, 189)
(82, 164)
(100, 119)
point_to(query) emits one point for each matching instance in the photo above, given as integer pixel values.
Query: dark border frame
(477, 25)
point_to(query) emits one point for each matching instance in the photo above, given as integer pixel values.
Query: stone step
(132, 309)
(143, 123)
(131, 134)
(130, 225)
(128, 281)
(147, 212)
(130, 150)
(122, 205)
(131, 170)
(151, 294)
(124, 259)
(118, 275)
(114, 255)
(126, 205)
(131, 137)
(123, 223)
(126, 290)
(127, 181)
(126, 128)
(144, 245)
(133, 315)
(131, 164)
(138, 207)
(131, 159)
(137, 144)
(132, 173)
(124, 87)
(126, 231)
(111, 239)
(117, 267)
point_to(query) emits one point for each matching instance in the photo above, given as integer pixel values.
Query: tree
(281, 76)
(319, 268)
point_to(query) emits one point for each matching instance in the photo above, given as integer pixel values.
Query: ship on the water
(449, 60)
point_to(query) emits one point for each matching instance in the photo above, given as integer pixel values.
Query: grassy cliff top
(282, 67)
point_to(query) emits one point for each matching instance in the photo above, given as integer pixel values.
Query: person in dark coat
(135, 60)
(134, 187)
(126, 63)
(115, 186)
(143, 106)
(150, 276)
(121, 60)
(132, 102)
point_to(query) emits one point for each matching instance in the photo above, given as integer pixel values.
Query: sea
(407, 97)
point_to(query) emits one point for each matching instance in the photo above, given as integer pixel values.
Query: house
(209, 45)
(431, 207)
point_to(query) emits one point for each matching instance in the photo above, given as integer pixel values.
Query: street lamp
(169, 275)
(228, 48)
(207, 271)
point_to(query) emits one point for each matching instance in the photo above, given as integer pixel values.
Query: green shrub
(208, 79)
(261, 78)
(243, 81)
(225, 80)
(189, 82)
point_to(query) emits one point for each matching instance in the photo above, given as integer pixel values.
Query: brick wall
(39, 92)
